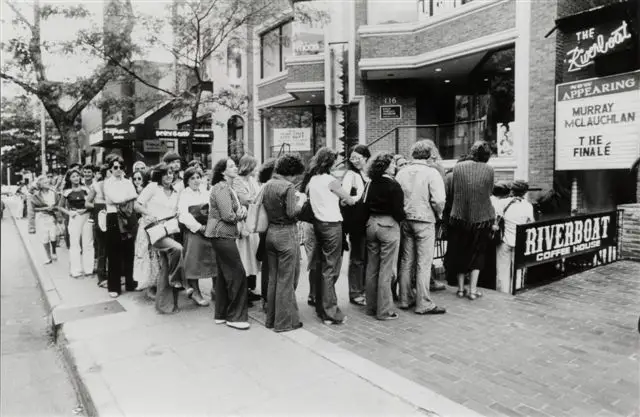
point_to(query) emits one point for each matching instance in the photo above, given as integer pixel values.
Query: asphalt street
(34, 381)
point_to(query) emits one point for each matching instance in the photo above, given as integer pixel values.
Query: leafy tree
(27, 51)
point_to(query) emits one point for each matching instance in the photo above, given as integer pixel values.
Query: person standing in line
(424, 200)
(139, 166)
(384, 201)
(81, 250)
(87, 175)
(246, 187)
(45, 203)
(283, 244)
(353, 183)
(199, 258)
(264, 175)
(514, 210)
(96, 202)
(174, 161)
(325, 192)
(472, 217)
(119, 195)
(159, 202)
(225, 212)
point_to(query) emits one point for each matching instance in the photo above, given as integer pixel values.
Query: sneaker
(48, 261)
(220, 321)
(114, 295)
(240, 325)
(391, 316)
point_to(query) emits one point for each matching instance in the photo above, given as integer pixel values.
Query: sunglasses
(116, 167)
(137, 178)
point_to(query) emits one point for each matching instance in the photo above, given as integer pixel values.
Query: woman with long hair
(283, 244)
(159, 202)
(81, 250)
(225, 212)
(325, 193)
(246, 187)
(384, 200)
(199, 258)
(45, 204)
(140, 179)
(354, 182)
(471, 218)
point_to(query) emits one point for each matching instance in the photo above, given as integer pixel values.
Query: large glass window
(275, 46)
(295, 123)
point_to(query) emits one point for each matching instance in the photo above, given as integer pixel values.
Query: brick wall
(361, 19)
(630, 234)
(273, 89)
(542, 95)
(300, 73)
(485, 22)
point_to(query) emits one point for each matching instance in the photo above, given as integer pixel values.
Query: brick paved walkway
(566, 349)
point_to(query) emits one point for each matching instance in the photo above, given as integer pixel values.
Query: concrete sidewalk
(129, 360)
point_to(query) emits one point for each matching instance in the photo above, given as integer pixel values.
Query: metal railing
(452, 139)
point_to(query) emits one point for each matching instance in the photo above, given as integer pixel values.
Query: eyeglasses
(356, 158)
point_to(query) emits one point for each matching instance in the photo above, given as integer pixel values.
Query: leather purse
(162, 228)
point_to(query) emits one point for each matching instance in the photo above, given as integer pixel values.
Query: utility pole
(43, 140)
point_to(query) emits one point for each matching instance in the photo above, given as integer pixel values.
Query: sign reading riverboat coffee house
(598, 123)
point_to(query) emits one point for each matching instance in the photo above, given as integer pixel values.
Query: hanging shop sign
(551, 240)
(296, 139)
(158, 145)
(119, 132)
(598, 123)
(391, 112)
(183, 134)
(585, 46)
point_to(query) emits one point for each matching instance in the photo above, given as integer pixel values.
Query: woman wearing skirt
(199, 257)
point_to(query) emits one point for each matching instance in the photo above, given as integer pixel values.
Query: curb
(52, 300)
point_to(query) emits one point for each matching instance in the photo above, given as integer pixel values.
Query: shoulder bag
(257, 220)
(162, 228)
(499, 234)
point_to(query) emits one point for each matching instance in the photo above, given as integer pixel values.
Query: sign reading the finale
(298, 139)
(598, 123)
(551, 240)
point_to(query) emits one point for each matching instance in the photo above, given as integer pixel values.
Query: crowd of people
(164, 229)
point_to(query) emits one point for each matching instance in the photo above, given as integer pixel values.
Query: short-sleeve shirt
(325, 204)
(76, 197)
(158, 203)
(520, 212)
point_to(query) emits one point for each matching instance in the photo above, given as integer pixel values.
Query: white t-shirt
(520, 212)
(157, 202)
(325, 204)
(354, 179)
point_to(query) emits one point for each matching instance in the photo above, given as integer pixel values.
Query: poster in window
(505, 138)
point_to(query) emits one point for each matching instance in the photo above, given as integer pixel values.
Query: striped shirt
(280, 201)
(223, 206)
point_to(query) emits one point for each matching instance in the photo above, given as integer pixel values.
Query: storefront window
(276, 47)
(301, 130)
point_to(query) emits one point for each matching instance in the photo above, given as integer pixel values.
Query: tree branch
(25, 86)
(21, 17)
(35, 49)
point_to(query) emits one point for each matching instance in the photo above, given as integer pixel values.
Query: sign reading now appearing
(297, 139)
(598, 123)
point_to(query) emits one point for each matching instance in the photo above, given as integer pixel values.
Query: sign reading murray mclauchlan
(546, 241)
(598, 123)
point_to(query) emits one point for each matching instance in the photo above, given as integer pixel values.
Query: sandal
(473, 295)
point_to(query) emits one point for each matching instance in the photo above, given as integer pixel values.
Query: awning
(154, 113)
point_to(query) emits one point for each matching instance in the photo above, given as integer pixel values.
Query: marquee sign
(589, 44)
(183, 134)
(551, 240)
(598, 123)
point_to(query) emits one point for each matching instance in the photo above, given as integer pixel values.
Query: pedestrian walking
(96, 202)
(384, 201)
(354, 222)
(46, 203)
(424, 200)
(246, 187)
(158, 202)
(119, 195)
(225, 212)
(199, 257)
(283, 243)
(472, 217)
(81, 250)
(325, 193)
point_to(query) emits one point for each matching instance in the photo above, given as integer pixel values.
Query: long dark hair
(321, 163)
(379, 165)
(67, 178)
(159, 171)
(360, 149)
(218, 171)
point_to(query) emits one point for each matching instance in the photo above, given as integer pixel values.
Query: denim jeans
(329, 251)
(357, 263)
(231, 283)
(283, 254)
(383, 236)
(313, 262)
(418, 245)
(171, 271)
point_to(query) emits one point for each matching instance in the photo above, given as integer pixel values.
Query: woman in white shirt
(353, 183)
(325, 193)
(199, 258)
(159, 202)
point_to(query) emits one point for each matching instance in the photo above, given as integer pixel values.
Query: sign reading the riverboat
(598, 123)
(551, 240)
(589, 44)
(391, 112)
(294, 139)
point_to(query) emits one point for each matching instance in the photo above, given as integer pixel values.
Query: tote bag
(257, 220)
(161, 229)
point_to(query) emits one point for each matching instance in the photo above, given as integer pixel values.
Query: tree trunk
(69, 140)
(192, 125)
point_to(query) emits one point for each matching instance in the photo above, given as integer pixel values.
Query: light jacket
(424, 191)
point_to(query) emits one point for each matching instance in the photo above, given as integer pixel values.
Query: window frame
(281, 60)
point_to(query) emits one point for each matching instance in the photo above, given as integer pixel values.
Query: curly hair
(480, 151)
(218, 171)
(190, 172)
(289, 165)
(266, 170)
(67, 177)
(379, 164)
(321, 163)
